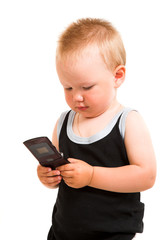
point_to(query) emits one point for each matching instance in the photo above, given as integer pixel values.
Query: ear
(119, 75)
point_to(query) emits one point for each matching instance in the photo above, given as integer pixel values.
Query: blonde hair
(87, 31)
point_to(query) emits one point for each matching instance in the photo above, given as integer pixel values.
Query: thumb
(73, 160)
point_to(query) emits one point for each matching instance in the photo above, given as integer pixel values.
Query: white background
(32, 99)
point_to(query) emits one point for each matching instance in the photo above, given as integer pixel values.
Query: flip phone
(45, 152)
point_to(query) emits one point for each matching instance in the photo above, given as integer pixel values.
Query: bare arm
(138, 176)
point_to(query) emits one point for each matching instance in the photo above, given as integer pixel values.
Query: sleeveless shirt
(89, 213)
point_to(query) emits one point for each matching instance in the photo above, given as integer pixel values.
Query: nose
(77, 97)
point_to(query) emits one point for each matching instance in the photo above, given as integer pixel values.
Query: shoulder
(135, 124)
(130, 120)
(137, 139)
(136, 131)
(123, 119)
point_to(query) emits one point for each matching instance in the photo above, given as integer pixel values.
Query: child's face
(89, 85)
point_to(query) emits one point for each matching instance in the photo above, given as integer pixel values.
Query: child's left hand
(77, 173)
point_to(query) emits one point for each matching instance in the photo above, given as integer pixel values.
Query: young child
(108, 145)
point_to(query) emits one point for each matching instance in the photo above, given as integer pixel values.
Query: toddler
(107, 144)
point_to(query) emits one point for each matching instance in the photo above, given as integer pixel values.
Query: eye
(68, 89)
(88, 88)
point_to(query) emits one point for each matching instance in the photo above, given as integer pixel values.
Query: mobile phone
(45, 152)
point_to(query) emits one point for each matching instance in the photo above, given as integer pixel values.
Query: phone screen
(41, 150)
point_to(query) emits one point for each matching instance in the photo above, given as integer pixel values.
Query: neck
(85, 127)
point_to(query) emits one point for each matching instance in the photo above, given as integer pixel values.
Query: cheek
(91, 98)
(96, 95)
(68, 98)
(100, 97)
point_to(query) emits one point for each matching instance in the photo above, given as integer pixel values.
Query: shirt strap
(60, 123)
(122, 122)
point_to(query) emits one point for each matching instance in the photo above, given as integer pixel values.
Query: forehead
(86, 66)
(83, 59)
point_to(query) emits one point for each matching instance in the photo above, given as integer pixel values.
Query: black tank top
(89, 213)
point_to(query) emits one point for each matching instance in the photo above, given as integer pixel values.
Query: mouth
(82, 108)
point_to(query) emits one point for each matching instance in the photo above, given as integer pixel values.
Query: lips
(82, 108)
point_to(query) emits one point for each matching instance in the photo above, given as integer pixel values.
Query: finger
(53, 173)
(52, 185)
(54, 179)
(66, 167)
(45, 171)
(42, 169)
(51, 180)
(73, 160)
(67, 174)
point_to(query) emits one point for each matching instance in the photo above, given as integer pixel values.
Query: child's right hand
(50, 178)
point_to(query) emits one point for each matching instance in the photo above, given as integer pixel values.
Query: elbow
(150, 178)
(150, 183)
